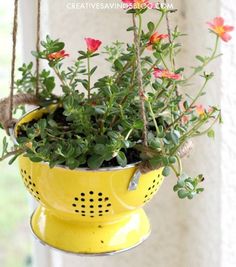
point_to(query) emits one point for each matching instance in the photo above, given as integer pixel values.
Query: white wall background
(185, 233)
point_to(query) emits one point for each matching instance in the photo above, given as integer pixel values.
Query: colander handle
(134, 181)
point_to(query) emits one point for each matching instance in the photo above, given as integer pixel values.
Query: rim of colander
(12, 132)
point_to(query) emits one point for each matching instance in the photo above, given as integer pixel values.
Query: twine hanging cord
(13, 64)
(8, 105)
(38, 46)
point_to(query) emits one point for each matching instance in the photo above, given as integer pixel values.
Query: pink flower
(139, 4)
(218, 27)
(57, 55)
(159, 73)
(200, 110)
(156, 38)
(92, 44)
(185, 119)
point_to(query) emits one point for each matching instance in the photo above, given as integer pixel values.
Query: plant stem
(9, 154)
(129, 133)
(209, 128)
(179, 164)
(153, 117)
(190, 107)
(163, 61)
(89, 78)
(59, 76)
(174, 170)
(73, 76)
(159, 21)
(212, 57)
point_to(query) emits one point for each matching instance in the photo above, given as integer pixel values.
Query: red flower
(139, 4)
(158, 73)
(92, 44)
(156, 38)
(57, 55)
(218, 27)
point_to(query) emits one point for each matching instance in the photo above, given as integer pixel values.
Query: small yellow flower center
(219, 30)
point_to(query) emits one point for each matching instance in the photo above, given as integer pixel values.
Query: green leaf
(121, 159)
(176, 188)
(138, 125)
(174, 137)
(42, 124)
(118, 65)
(181, 182)
(200, 58)
(182, 193)
(36, 54)
(35, 159)
(93, 70)
(172, 160)
(95, 161)
(12, 160)
(72, 163)
(130, 29)
(99, 149)
(211, 133)
(151, 26)
(166, 171)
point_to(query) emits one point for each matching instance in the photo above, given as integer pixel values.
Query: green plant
(137, 112)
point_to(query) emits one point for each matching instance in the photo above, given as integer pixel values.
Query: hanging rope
(38, 45)
(7, 105)
(13, 64)
(140, 82)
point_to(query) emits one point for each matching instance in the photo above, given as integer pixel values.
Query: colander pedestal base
(109, 235)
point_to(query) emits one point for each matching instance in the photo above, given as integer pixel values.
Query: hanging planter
(94, 155)
(88, 211)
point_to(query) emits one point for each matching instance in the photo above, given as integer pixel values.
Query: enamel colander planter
(84, 211)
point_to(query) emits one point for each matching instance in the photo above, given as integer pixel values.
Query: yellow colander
(84, 211)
